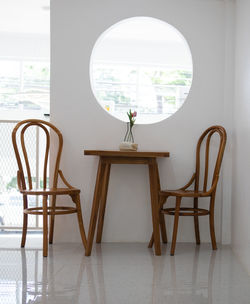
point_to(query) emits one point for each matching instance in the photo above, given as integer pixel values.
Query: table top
(113, 153)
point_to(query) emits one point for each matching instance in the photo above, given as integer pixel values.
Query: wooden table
(106, 158)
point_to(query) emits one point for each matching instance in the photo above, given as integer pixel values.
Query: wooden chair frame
(45, 210)
(196, 193)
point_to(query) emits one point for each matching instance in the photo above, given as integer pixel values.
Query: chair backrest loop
(23, 126)
(208, 134)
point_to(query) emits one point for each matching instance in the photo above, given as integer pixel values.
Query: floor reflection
(122, 273)
(42, 286)
(190, 283)
(45, 288)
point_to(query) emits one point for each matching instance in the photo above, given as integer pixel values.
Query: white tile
(121, 273)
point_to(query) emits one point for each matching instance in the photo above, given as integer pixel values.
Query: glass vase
(129, 134)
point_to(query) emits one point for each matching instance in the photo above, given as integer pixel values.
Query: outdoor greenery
(24, 85)
(13, 183)
(118, 85)
(36, 71)
(177, 77)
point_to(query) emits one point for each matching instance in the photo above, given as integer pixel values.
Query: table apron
(126, 160)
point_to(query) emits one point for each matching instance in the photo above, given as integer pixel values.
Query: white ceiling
(25, 16)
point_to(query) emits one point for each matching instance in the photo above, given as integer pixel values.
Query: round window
(142, 64)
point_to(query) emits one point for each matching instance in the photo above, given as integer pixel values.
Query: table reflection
(114, 273)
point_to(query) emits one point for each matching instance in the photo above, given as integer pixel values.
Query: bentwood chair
(24, 176)
(197, 191)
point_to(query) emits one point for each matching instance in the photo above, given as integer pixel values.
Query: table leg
(103, 202)
(95, 206)
(154, 204)
(162, 219)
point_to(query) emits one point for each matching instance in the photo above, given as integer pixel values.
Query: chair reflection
(103, 279)
(181, 286)
(44, 287)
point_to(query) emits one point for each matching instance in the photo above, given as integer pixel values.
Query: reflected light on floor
(120, 273)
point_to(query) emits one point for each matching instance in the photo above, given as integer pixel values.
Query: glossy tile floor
(119, 273)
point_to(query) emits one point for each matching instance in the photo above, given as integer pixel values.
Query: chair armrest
(64, 180)
(189, 183)
(213, 188)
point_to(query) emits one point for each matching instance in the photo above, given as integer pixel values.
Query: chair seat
(51, 191)
(182, 193)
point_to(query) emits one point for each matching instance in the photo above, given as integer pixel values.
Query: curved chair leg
(52, 220)
(25, 221)
(211, 223)
(45, 226)
(196, 223)
(162, 201)
(176, 221)
(162, 222)
(77, 201)
(24, 232)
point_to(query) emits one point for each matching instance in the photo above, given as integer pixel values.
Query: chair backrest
(23, 161)
(206, 137)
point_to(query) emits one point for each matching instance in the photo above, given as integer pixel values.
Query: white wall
(75, 27)
(241, 137)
